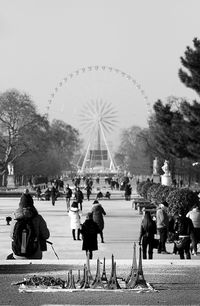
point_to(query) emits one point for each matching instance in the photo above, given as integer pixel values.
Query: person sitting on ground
(147, 232)
(98, 212)
(107, 195)
(89, 233)
(28, 212)
(99, 195)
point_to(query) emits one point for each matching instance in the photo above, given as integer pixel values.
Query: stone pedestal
(166, 179)
(156, 178)
(10, 181)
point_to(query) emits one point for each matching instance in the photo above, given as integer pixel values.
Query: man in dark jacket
(79, 197)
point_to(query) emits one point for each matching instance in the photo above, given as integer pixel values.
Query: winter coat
(98, 213)
(183, 226)
(79, 196)
(68, 193)
(41, 231)
(162, 218)
(89, 233)
(75, 219)
(194, 215)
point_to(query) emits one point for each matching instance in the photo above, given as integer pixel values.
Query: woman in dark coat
(89, 233)
(147, 232)
(98, 212)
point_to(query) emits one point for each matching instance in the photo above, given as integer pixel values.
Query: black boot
(73, 234)
(78, 235)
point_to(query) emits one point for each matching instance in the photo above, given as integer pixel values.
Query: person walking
(162, 223)
(127, 191)
(98, 212)
(88, 191)
(79, 197)
(75, 219)
(53, 194)
(89, 233)
(194, 215)
(147, 232)
(68, 195)
(184, 230)
(27, 213)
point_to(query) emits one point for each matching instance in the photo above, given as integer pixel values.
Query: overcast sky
(43, 41)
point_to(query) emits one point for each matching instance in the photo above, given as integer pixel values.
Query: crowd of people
(183, 230)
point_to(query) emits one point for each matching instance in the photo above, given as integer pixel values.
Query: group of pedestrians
(185, 230)
(91, 227)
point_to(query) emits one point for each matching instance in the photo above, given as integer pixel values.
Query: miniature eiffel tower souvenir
(103, 276)
(86, 283)
(71, 281)
(130, 280)
(97, 284)
(82, 281)
(113, 282)
(78, 277)
(140, 282)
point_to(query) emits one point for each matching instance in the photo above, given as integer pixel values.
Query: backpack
(25, 242)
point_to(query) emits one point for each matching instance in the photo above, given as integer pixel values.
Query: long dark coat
(98, 213)
(89, 233)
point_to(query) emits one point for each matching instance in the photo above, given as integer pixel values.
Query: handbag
(181, 242)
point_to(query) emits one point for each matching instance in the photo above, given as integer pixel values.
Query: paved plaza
(122, 224)
(177, 281)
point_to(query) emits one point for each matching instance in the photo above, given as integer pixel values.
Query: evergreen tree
(191, 61)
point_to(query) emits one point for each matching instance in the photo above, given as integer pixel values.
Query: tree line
(28, 140)
(173, 131)
(37, 146)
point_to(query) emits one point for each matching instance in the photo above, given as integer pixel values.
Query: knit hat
(26, 200)
(96, 202)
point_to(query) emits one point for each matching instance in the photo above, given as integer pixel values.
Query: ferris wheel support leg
(85, 158)
(112, 166)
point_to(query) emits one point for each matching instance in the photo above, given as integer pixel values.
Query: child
(75, 220)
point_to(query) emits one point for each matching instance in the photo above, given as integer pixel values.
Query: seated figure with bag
(184, 231)
(146, 238)
(29, 231)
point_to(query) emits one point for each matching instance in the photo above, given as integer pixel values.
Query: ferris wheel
(98, 118)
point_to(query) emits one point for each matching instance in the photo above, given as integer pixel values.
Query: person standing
(98, 212)
(89, 233)
(68, 194)
(79, 197)
(28, 213)
(184, 229)
(53, 194)
(162, 223)
(194, 215)
(75, 220)
(88, 191)
(127, 192)
(146, 238)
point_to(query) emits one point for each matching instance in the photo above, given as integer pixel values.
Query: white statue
(10, 169)
(165, 167)
(155, 166)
